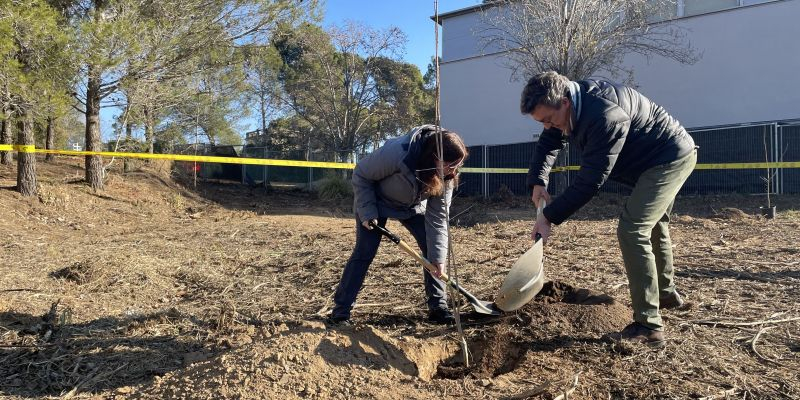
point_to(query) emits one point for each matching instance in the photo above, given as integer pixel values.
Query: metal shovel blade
(480, 306)
(524, 280)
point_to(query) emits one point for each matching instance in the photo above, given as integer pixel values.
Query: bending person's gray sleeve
(368, 172)
(436, 225)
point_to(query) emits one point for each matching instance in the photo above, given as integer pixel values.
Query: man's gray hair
(546, 88)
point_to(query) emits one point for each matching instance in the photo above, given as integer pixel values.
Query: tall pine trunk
(5, 138)
(26, 161)
(94, 165)
(51, 139)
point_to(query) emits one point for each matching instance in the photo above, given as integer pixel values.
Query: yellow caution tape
(495, 170)
(22, 148)
(206, 159)
(567, 168)
(514, 170)
(762, 165)
(337, 165)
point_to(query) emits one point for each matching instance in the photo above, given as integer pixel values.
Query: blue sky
(411, 16)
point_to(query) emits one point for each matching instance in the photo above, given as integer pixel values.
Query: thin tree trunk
(263, 109)
(26, 161)
(5, 138)
(94, 165)
(127, 164)
(51, 139)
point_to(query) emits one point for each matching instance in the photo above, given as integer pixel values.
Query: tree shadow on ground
(46, 356)
(761, 276)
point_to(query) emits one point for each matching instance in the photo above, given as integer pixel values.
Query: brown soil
(152, 290)
(559, 311)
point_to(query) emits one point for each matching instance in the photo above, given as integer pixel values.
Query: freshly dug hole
(494, 352)
(557, 316)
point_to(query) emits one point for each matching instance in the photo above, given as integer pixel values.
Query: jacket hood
(413, 148)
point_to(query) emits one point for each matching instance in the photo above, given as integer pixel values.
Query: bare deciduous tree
(579, 38)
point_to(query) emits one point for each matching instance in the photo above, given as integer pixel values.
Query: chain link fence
(765, 142)
(768, 142)
(256, 175)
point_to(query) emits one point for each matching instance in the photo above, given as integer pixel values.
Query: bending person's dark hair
(453, 150)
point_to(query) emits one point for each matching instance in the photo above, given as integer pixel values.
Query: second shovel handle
(542, 205)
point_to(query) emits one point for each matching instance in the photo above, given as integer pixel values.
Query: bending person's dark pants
(367, 243)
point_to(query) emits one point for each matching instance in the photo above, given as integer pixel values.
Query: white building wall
(749, 72)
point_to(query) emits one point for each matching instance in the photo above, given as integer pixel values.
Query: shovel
(481, 307)
(526, 277)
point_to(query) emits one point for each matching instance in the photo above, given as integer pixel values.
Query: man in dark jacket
(623, 136)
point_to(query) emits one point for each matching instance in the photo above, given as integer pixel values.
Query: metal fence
(255, 175)
(289, 176)
(763, 142)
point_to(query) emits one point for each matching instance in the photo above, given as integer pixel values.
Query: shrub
(334, 187)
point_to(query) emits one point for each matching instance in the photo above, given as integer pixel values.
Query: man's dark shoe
(638, 333)
(670, 301)
(339, 321)
(441, 316)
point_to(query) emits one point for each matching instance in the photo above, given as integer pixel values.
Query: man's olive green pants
(643, 234)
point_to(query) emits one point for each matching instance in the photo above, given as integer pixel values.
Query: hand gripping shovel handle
(481, 307)
(542, 205)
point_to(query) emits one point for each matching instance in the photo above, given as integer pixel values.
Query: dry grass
(152, 290)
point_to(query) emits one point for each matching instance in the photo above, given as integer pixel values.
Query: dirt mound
(560, 292)
(564, 310)
(733, 214)
(558, 315)
(308, 360)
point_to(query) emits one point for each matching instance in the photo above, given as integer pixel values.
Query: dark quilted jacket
(620, 134)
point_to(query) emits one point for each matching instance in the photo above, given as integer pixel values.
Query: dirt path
(151, 290)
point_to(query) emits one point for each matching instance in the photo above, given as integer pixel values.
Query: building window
(688, 8)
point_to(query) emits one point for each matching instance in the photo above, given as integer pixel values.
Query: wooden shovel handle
(422, 260)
